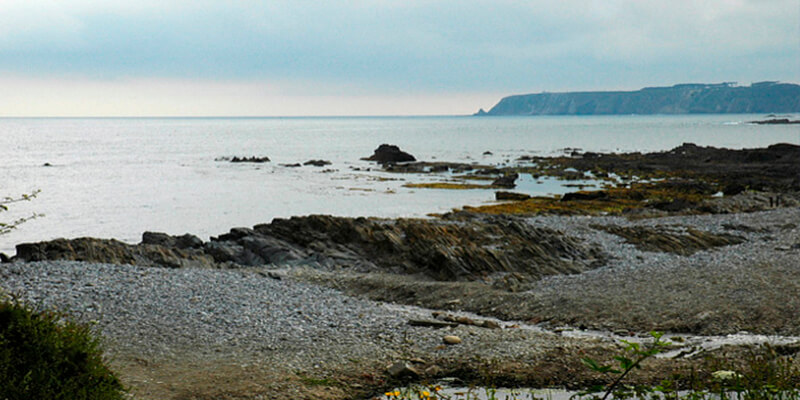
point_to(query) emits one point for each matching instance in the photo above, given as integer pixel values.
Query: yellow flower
(437, 388)
(389, 394)
(426, 393)
(397, 393)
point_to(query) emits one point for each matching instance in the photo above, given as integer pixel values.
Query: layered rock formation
(487, 249)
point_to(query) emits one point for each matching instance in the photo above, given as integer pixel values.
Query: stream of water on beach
(119, 177)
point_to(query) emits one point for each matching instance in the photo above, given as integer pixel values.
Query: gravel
(751, 286)
(159, 313)
(203, 314)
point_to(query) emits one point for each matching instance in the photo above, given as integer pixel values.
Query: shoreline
(177, 327)
(325, 307)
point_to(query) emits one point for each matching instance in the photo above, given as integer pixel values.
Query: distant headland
(692, 98)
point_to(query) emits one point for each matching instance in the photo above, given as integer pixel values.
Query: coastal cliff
(726, 98)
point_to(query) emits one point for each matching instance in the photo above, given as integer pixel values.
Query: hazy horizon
(81, 58)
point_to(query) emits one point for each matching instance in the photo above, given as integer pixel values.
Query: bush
(44, 355)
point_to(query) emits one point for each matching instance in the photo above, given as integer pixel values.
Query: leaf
(631, 346)
(624, 362)
(591, 364)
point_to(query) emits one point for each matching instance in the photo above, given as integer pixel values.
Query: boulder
(403, 369)
(389, 154)
(506, 181)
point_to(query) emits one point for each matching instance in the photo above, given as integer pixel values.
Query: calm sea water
(116, 178)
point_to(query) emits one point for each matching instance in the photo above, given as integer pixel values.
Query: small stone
(490, 324)
(452, 339)
(402, 369)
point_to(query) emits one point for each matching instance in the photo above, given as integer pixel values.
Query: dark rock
(295, 165)
(223, 252)
(500, 195)
(459, 250)
(270, 249)
(488, 153)
(442, 250)
(594, 195)
(776, 121)
(114, 252)
(387, 153)
(158, 238)
(47, 164)
(188, 241)
(733, 189)
(317, 163)
(506, 181)
(4, 258)
(674, 205)
(254, 159)
(235, 234)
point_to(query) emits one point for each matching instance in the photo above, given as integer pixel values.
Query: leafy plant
(6, 227)
(44, 355)
(631, 359)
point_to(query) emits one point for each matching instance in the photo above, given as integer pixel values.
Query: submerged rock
(317, 163)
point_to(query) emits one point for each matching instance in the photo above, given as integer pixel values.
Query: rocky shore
(330, 307)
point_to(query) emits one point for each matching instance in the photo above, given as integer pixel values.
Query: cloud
(404, 48)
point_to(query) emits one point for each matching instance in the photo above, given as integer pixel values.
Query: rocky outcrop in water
(776, 167)
(388, 154)
(488, 249)
(237, 159)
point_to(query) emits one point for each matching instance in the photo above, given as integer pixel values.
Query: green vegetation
(44, 355)
(6, 227)
(769, 373)
(629, 360)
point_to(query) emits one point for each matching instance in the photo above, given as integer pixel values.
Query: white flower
(725, 375)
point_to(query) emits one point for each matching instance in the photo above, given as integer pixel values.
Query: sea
(119, 177)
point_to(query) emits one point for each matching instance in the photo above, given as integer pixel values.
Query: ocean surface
(118, 177)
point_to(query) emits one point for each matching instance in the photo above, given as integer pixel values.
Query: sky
(376, 57)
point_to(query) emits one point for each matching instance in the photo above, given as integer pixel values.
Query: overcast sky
(372, 57)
